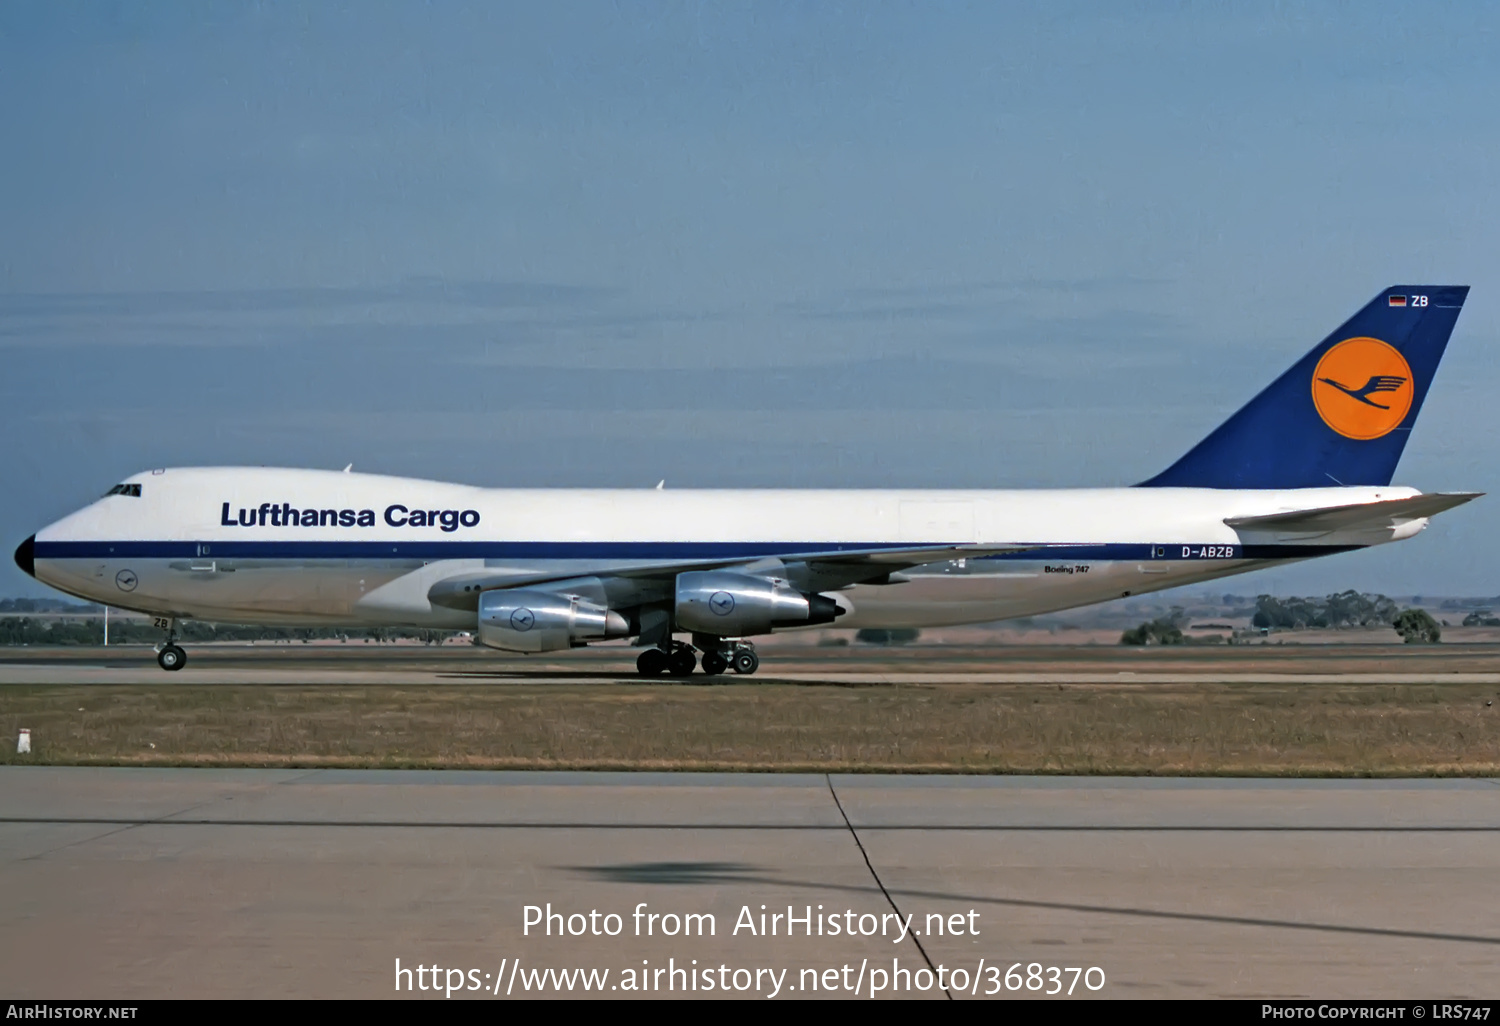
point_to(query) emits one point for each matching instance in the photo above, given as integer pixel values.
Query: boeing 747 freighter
(1303, 470)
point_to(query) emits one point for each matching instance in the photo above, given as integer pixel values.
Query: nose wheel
(169, 656)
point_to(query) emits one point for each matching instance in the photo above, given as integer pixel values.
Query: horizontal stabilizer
(1359, 516)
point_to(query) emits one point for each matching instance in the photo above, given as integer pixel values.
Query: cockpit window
(133, 490)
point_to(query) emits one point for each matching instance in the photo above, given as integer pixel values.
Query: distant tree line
(1346, 609)
(1164, 630)
(883, 636)
(1416, 626)
(47, 605)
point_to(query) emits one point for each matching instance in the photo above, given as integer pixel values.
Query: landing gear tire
(714, 664)
(745, 661)
(171, 658)
(682, 662)
(651, 663)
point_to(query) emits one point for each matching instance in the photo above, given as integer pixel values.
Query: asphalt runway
(99, 674)
(122, 883)
(271, 664)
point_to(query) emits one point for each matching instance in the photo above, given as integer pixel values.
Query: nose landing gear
(168, 655)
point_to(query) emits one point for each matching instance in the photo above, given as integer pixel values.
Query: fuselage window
(133, 490)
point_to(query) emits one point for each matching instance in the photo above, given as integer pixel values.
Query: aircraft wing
(886, 558)
(833, 568)
(1359, 516)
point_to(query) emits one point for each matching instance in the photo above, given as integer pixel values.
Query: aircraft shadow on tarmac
(698, 873)
(626, 677)
(617, 675)
(676, 873)
(680, 873)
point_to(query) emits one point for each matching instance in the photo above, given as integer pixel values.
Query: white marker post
(106, 626)
(23, 743)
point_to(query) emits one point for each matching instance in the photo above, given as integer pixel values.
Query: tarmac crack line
(82, 840)
(871, 867)
(613, 874)
(165, 818)
(1207, 917)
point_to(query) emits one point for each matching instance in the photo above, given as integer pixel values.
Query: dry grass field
(584, 712)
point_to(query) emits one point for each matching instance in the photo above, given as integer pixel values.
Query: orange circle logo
(1362, 388)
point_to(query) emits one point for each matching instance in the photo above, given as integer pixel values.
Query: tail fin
(1342, 414)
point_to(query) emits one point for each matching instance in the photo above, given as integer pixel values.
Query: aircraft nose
(26, 556)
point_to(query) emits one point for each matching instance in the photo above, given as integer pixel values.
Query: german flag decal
(1398, 300)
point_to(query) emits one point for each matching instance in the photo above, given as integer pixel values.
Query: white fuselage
(275, 546)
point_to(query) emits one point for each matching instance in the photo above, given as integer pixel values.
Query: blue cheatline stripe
(432, 550)
(619, 551)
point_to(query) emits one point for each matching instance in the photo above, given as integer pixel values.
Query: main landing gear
(168, 655)
(679, 661)
(740, 658)
(682, 658)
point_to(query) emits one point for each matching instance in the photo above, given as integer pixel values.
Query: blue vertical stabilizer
(1341, 415)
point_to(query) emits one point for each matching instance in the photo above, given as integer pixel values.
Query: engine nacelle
(732, 605)
(528, 620)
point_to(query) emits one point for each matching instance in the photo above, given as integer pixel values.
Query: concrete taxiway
(119, 883)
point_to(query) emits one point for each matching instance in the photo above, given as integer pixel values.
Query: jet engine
(732, 605)
(529, 620)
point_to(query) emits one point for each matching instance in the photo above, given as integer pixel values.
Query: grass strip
(1174, 729)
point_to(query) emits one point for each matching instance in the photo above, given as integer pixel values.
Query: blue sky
(738, 244)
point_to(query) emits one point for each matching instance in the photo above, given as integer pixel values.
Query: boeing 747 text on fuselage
(1303, 470)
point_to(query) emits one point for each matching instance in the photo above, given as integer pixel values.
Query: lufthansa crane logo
(522, 619)
(721, 603)
(1362, 388)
